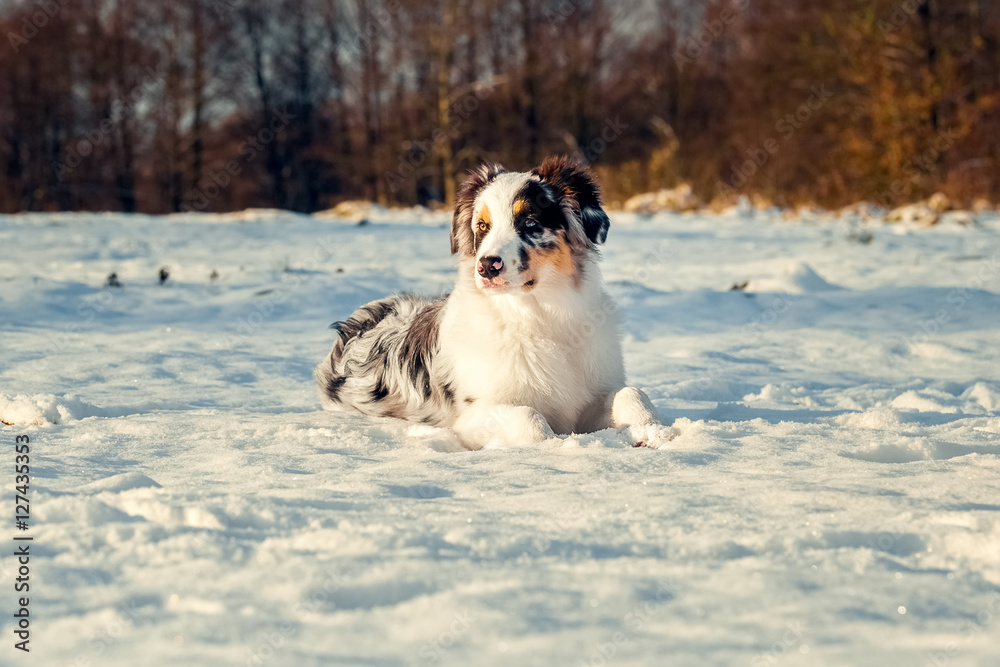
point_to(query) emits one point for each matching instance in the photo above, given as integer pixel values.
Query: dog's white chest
(548, 370)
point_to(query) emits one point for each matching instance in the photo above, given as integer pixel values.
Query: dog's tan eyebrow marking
(485, 215)
(520, 206)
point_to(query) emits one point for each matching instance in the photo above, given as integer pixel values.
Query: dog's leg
(631, 407)
(631, 411)
(485, 423)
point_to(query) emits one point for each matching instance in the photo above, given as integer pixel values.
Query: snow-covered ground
(833, 498)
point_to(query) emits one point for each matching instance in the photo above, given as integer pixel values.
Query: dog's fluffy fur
(527, 344)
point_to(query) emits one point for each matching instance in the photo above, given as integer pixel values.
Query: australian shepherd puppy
(525, 347)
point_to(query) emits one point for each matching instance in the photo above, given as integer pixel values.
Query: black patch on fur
(386, 348)
(358, 325)
(462, 239)
(394, 411)
(419, 346)
(573, 181)
(379, 392)
(541, 207)
(334, 385)
(522, 265)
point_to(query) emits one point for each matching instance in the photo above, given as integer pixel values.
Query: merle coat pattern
(526, 346)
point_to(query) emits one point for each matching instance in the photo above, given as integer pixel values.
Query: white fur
(555, 348)
(537, 362)
(545, 362)
(522, 362)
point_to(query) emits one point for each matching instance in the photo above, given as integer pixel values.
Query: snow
(832, 498)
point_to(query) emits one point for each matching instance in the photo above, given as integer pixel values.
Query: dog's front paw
(507, 426)
(653, 436)
(527, 426)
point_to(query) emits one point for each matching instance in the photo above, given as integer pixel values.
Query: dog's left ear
(462, 239)
(575, 185)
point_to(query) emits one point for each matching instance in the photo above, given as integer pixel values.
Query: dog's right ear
(576, 186)
(462, 239)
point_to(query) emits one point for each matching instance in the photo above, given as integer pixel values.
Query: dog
(526, 346)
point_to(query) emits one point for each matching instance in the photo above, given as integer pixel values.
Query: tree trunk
(198, 83)
(446, 57)
(529, 21)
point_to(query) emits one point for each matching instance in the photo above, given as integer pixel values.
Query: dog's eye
(530, 224)
(483, 226)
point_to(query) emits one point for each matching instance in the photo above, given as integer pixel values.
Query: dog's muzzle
(489, 267)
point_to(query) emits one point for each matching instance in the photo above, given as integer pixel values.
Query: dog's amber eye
(483, 226)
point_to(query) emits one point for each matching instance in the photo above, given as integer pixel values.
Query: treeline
(171, 105)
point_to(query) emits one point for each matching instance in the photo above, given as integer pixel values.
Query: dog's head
(528, 229)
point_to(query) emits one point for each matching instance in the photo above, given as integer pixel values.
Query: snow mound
(916, 215)
(171, 514)
(880, 419)
(909, 450)
(938, 209)
(864, 210)
(355, 209)
(976, 546)
(924, 401)
(983, 396)
(123, 482)
(246, 215)
(937, 352)
(781, 394)
(364, 212)
(47, 409)
(798, 278)
(679, 199)
(961, 218)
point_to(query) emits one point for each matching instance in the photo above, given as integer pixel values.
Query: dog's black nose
(489, 267)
